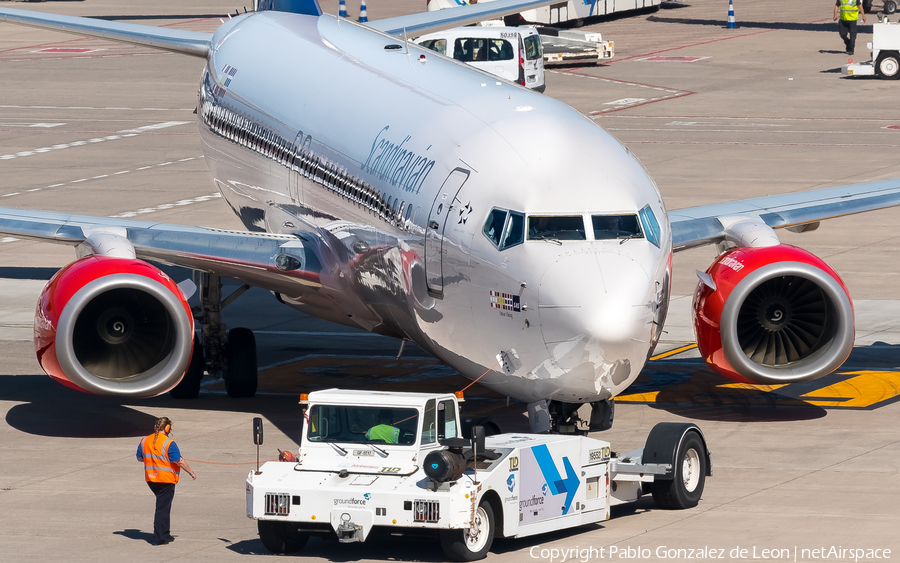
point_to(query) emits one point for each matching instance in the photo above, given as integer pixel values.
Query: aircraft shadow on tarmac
(53, 410)
(868, 380)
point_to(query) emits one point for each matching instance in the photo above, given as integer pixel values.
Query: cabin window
(556, 228)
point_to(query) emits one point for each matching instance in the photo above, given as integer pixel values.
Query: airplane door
(444, 203)
(300, 145)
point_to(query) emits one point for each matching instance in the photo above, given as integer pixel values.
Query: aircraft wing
(177, 40)
(698, 226)
(239, 254)
(429, 22)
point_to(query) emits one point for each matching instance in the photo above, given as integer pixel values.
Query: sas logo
(514, 463)
(511, 482)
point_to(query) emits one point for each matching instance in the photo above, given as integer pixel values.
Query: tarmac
(714, 114)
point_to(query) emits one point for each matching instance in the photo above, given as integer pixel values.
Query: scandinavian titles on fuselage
(395, 164)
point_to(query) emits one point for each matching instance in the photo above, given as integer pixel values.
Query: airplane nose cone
(596, 317)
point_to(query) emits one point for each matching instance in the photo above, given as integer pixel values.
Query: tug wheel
(281, 537)
(473, 543)
(686, 487)
(888, 65)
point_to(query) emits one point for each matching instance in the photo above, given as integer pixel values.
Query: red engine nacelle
(113, 326)
(776, 314)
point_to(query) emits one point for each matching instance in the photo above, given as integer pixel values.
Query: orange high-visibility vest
(157, 467)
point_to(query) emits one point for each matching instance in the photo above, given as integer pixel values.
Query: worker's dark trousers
(164, 492)
(846, 28)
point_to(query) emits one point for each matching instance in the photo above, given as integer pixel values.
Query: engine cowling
(113, 326)
(776, 314)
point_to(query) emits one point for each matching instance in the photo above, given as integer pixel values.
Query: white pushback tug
(396, 462)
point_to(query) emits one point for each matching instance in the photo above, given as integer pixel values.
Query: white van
(512, 53)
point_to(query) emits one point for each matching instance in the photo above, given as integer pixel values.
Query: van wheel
(889, 7)
(888, 65)
(474, 543)
(686, 487)
(281, 537)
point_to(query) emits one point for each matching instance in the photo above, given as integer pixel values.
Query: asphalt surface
(714, 114)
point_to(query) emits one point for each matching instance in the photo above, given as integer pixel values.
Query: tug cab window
(363, 425)
(556, 228)
(505, 228)
(608, 227)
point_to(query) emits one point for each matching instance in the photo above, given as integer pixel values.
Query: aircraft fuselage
(390, 162)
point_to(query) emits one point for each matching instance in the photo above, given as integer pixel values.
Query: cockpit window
(505, 228)
(651, 225)
(556, 228)
(616, 226)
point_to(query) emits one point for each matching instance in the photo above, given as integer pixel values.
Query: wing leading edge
(239, 254)
(698, 226)
(177, 40)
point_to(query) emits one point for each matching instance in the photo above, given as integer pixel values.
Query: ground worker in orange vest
(162, 465)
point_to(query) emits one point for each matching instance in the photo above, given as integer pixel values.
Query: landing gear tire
(189, 386)
(686, 488)
(888, 65)
(889, 7)
(602, 415)
(281, 537)
(240, 369)
(474, 543)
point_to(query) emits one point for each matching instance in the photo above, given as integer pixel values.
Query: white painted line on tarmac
(8, 239)
(125, 133)
(43, 125)
(145, 210)
(96, 108)
(8, 195)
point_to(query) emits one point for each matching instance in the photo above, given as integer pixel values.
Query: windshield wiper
(377, 449)
(332, 443)
(629, 237)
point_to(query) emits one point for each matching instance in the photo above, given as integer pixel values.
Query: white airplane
(460, 213)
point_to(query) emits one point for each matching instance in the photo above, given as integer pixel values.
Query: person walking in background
(849, 11)
(162, 466)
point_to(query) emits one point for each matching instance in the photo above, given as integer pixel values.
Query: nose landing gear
(556, 417)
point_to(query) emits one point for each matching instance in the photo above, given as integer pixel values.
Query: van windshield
(472, 49)
(533, 48)
(439, 45)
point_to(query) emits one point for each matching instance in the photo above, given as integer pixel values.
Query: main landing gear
(225, 354)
